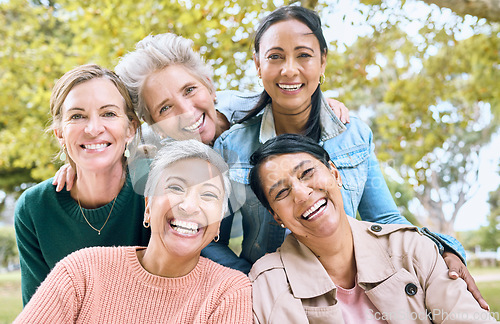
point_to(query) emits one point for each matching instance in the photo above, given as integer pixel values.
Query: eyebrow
(280, 182)
(103, 107)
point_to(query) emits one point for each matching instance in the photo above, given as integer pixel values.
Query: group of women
(154, 257)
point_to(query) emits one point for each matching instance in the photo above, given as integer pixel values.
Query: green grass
(491, 293)
(10, 296)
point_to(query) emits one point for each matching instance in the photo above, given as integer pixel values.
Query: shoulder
(398, 239)
(33, 197)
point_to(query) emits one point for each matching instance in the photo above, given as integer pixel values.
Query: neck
(159, 263)
(96, 189)
(336, 254)
(292, 123)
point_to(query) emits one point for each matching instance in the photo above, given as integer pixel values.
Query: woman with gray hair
(186, 197)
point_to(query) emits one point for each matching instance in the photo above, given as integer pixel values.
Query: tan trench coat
(400, 270)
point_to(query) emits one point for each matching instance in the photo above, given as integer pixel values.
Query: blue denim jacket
(351, 149)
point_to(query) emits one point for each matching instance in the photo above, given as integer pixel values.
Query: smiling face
(94, 126)
(180, 104)
(290, 62)
(186, 210)
(304, 194)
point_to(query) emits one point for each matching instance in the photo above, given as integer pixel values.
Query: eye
(175, 188)
(109, 114)
(210, 195)
(274, 57)
(164, 109)
(304, 55)
(190, 89)
(283, 193)
(76, 116)
(306, 174)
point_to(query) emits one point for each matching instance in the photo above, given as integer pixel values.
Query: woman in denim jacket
(290, 57)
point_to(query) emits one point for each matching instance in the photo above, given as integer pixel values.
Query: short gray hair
(154, 53)
(174, 151)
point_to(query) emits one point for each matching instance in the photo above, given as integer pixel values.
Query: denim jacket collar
(331, 126)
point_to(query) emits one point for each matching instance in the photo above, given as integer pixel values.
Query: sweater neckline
(163, 282)
(71, 207)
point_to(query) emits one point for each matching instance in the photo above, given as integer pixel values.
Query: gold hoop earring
(145, 223)
(216, 239)
(322, 79)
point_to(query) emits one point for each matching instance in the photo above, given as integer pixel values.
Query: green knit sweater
(49, 226)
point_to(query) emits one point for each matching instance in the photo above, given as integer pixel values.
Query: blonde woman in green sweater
(167, 282)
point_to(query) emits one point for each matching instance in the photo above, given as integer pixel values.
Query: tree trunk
(489, 9)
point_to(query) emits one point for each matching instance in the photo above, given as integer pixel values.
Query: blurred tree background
(429, 85)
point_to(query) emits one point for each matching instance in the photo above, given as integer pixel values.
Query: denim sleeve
(221, 253)
(377, 205)
(235, 104)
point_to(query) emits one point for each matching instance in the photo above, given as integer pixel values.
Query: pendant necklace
(95, 229)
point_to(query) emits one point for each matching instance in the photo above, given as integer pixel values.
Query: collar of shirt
(307, 276)
(331, 126)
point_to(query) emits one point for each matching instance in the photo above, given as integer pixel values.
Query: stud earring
(282, 225)
(339, 184)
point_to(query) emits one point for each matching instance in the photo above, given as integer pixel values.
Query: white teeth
(313, 208)
(290, 87)
(95, 146)
(184, 227)
(195, 125)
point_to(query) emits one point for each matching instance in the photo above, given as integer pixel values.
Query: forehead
(283, 165)
(170, 76)
(290, 31)
(194, 171)
(98, 92)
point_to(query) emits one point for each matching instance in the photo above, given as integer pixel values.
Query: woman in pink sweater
(167, 282)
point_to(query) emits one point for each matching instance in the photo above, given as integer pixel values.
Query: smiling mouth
(314, 210)
(196, 125)
(95, 146)
(290, 87)
(185, 227)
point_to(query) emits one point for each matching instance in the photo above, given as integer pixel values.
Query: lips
(290, 87)
(185, 227)
(315, 209)
(196, 125)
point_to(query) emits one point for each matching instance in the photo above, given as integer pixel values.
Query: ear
(275, 216)
(323, 63)
(335, 172)
(147, 210)
(130, 133)
(59, 135)
(257, 63)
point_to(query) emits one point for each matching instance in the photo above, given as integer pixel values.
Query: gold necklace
(95, 229)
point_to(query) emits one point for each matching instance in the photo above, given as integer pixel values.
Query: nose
(185, 107)
(94, 126)
(301, 192)
(190, 205)
(289, 67)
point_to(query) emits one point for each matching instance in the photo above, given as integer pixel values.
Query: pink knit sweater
(109, 285)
